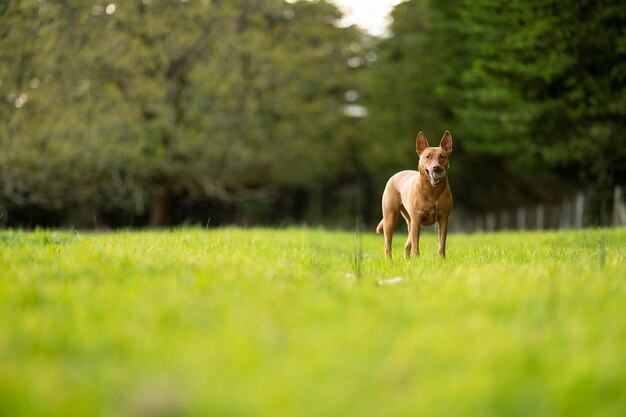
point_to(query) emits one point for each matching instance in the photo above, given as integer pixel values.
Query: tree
(533, 91)
(140, 104)
(546, 86)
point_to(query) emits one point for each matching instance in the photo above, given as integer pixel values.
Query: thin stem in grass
(602, 252)
(358, 247)
(585, 242)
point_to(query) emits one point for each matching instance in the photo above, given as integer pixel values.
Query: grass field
(234, 322)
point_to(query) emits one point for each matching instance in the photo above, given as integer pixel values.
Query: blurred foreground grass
(234, 322)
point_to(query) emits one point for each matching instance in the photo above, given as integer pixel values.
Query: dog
(423, 197)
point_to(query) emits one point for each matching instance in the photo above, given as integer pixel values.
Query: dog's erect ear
(420, 143)
(446, 142)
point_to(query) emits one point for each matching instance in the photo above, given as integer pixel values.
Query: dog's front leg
(414, 235)
(443, 233)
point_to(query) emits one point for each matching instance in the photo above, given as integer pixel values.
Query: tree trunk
(162, 209)
(96, 217)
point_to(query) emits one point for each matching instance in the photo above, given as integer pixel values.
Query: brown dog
(423, 197)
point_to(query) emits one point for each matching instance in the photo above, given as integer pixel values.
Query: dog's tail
(379, 228)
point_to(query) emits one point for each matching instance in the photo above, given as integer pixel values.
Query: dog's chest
(427, 214)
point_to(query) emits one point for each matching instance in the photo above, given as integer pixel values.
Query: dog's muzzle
(437, 174)
(440, 175)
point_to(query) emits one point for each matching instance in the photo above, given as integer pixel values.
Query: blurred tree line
(534, 91)
(160, 112)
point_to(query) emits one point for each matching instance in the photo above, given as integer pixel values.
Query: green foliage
(546, 85)
(539, 85)
(142, 105)
(411, 82)
(262, 322)
(114, 106)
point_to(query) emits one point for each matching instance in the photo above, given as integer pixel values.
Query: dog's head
(434, 162)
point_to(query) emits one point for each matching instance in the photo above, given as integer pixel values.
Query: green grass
(234, 322)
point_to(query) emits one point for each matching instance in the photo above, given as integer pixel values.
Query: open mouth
(435, 177)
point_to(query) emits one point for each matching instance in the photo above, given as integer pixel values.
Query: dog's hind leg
(389, 224)
(407, 245)
(391, 211)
